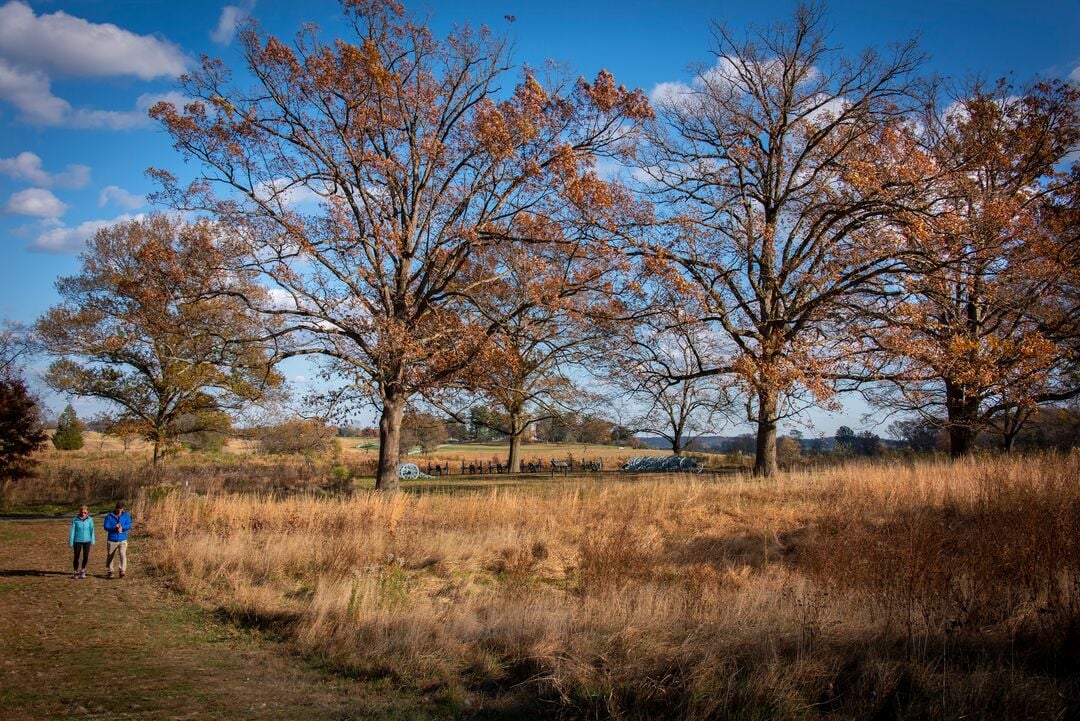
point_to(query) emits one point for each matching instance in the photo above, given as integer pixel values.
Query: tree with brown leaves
(550, 304)
(778, 175)
(415, 166)
(982, 329)
(150, 325)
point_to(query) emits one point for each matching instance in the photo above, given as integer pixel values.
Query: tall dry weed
(911, 591)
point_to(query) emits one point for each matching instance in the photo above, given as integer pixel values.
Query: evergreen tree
(68, 436)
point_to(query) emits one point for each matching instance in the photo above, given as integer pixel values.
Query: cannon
(410, 472)
(670, 464)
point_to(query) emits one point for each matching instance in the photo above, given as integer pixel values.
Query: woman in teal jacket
(80, 539)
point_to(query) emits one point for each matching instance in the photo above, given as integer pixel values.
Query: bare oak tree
(654, 369)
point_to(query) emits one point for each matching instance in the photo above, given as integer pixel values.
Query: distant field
(99, 442)
(366, 446)
(484, 452)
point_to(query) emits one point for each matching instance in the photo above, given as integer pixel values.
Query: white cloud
(720, 78)
(35, 201)
(281, 299)
(821, 109)
(69, 45)
(1075, 74)
(118, 196)
(148, 100)
(123, 119)
(27, 166)
(723, 74)
(30, 93)
(72, 240)
(34, 48)
(670, 93)
(231, 17)
(679, 93)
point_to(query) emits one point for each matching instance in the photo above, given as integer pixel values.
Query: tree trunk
(962, 411)
(1009, 440)
(676, 446)
(160, 436)
(765, 449)
(386, 476)
(961, 441)
(517, 430)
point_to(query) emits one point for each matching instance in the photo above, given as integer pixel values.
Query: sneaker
(82, 573)
(75, 575)
(108, 574)
(122, 574)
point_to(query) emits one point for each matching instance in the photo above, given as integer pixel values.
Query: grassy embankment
(906, 591)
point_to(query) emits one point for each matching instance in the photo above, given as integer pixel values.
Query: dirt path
(127, 649)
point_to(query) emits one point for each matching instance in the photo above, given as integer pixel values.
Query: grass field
(910, 590)
(906, 591)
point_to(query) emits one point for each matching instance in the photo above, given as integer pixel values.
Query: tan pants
(113, 547)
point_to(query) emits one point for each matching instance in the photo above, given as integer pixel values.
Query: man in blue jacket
(117, 525)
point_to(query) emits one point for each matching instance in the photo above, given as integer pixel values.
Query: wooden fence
(483, 468)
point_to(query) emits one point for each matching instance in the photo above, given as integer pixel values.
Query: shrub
(298, 436)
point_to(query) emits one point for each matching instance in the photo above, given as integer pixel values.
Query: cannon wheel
(408, 472)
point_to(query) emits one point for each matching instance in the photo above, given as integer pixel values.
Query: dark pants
(84, 548)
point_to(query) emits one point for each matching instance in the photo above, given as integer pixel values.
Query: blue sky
(76, 77)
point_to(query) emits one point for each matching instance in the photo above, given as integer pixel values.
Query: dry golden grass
(137, 448)
(917, 591)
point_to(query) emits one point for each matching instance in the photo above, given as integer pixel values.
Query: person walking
(80, 539)
(117, 524)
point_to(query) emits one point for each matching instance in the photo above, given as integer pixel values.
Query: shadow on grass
(12, 572)
(277, 626)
